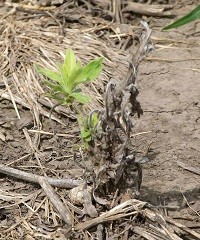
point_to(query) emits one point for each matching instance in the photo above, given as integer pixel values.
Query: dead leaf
(24, 122)
(2, 137)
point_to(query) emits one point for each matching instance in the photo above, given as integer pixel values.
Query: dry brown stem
(148, 10)
(113, 145)
(55, 200)
(28, 7)
(33, 178)
(183, 227)
(120, 211)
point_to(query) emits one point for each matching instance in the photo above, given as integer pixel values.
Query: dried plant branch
(57, 203)
(115, 127)
(33, 178)
(189, 168)
(149, 10)
(28, 7)
(150, 235)
(157, 217)
(133, 206)
(183, 227)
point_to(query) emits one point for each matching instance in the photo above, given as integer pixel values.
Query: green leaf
(94, 120)
(73, 78)
(91, 71)
(63, 86)
(79, 97)
(69, 62)
(191, 16)
(85, 133)
(53, 96)
(53, 75)
(54, 87)
(88, 139)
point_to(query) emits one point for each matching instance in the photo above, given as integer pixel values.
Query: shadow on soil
(174, 197)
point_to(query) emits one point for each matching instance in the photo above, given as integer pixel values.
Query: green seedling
(65, 87)
(88, 127)
(191, 16)
(64, 84)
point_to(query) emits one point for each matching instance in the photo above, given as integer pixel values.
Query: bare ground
(169, 94)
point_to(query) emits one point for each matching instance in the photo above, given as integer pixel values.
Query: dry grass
(26, 43)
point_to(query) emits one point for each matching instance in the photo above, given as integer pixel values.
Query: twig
(148, 235)
(63, 210)
(33, 178)
(51, 134)
(24, 104)
(22, 200)
(34, 149)
(157, 217)
(19, 159)
(171, 60)
(149, 10)
(29, 7)
(190, 206)
(133, 206)
(188, 168)
(140, 133)
(11, 96)
(100, 230)
(183, 227)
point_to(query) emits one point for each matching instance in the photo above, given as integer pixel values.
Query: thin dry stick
(149, 10)
(148, 235)
(160, 232)
(183, 227)
(115, 213)
(57, 203)
(52, 134)
(34, 150)
(33, 178)
(35, 105)
(171, 60)
(158, 218)
(29, 7)
(23, 103)
(141, 133)
(11, 96)
(19, 159)
(24, 199)
(190, 69)
(188, 168)
(190, 206)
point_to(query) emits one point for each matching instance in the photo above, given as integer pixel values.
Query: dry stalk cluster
(114, 161)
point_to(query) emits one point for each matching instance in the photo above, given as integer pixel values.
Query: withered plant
(106, 133)
(113, 161)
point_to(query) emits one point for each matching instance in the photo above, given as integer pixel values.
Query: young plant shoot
(65, 86)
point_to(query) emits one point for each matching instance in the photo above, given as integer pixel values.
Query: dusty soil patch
(170, 92)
